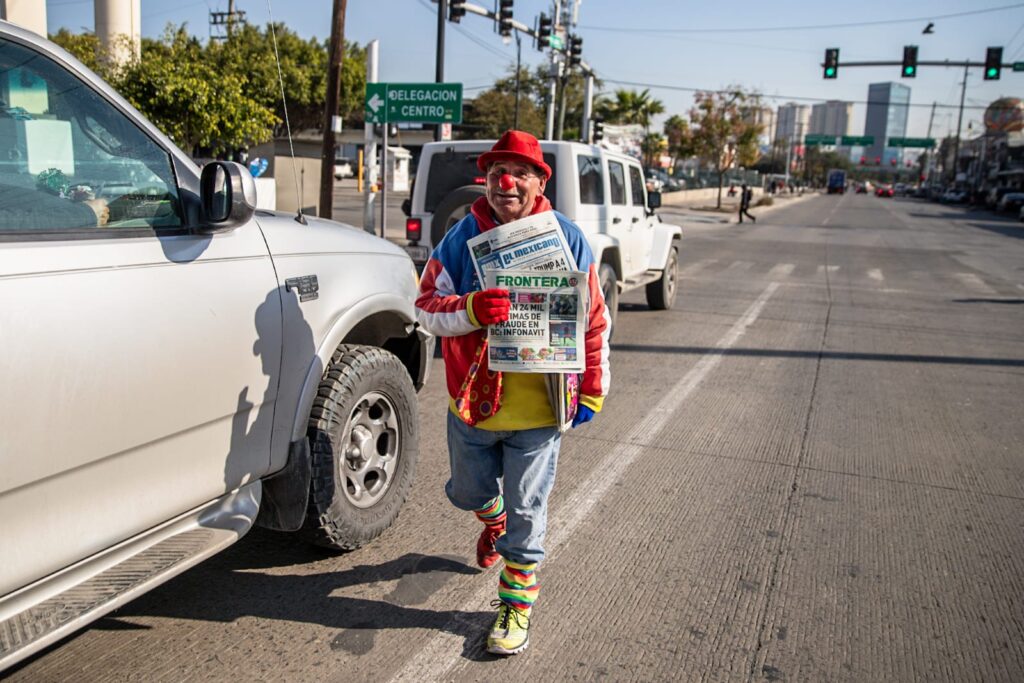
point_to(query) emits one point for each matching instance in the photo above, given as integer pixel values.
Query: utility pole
(332, 122)
(442, 14)
(928, 155)
(588, 108)
(519, 57)
(959, 122)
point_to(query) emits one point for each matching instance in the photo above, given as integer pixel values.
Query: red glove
(490, 306)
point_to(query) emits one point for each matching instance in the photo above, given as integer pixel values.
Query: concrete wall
(30, 14)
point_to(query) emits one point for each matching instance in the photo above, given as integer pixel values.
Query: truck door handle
(616, 220)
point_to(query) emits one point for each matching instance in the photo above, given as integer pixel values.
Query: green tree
(85, 47)
(190, 100)
(677, 133)
(630, 106)
(720, 135)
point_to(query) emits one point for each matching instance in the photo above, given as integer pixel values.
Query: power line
(683, 88)
(815, 27)
(487, 46)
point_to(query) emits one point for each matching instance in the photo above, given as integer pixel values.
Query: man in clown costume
(502, 439)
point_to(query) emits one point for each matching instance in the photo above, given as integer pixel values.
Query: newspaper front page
(534, 243)
(547, 321)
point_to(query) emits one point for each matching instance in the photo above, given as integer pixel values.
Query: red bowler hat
(517, 146)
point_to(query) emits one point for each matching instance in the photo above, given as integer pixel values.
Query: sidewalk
(701, 208)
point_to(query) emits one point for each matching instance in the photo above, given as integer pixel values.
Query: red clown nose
(506, 182)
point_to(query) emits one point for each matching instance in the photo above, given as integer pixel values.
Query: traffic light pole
(442, 15)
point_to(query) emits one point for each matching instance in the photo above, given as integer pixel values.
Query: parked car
(862, 188)
(604, 193)
(884, 191)
(179, 366)
(953, 196)
(668, 183)
(993, 196)
(1011, 201)
(344, 167)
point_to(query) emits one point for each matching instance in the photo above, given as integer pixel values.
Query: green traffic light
(992, 72)
(830, 71)
(909, 70)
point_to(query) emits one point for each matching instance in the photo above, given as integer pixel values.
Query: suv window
(69, 159)
(591, 180)
(617, 176)
(450, 170)
(636, 181)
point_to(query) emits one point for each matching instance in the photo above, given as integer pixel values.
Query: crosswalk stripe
(739, 266)
(699, 265)
(972, 281)
(781, 270)
(876, 275)
(831, 269)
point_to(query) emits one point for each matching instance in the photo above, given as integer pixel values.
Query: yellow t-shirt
(524, 404)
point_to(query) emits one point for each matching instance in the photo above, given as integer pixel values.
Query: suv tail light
(413, 229)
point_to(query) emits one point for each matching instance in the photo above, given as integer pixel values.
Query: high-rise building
(764, 117)
(888, 107)
(831, 118)
(792, 123)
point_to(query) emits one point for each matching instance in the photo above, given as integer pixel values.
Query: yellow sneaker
(511, 632)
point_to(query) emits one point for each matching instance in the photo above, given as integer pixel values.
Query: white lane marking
(440, 653)
(739, 266)
(876, 275)
(972, 281)
(830, 214)
(781, 270)
(699, 265)
(831, 269)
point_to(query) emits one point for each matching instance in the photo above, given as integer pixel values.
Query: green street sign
(413, 102)
(819, 139)
(858, 140)
(912, 142)
(556, 42)
(1018, 66)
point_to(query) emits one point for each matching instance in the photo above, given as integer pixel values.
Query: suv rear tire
(453, 209)
(363, 446)
(661, 294)
(610, 288)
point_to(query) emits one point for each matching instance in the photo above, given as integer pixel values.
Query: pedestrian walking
(503, 440)
(746, 196)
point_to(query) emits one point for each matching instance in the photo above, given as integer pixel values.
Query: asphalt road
(811, 469)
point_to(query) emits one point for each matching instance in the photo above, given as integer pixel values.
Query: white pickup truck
(177, 365)
(604, 193)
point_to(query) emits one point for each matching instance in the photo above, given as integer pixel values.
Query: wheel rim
(671, 277)
(369, 457)
(456, 216)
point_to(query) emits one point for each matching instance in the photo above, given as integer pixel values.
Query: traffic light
(505, 17)
(598, 130)
(909, 61)
(575, 50)
(456, 11)
(831, 62)
(543, 31)
(993, 63)
(862, 160)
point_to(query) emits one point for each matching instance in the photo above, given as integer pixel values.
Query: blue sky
(669, 45)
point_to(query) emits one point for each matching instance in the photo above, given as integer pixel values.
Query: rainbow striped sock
(493, 513)
(517, 585)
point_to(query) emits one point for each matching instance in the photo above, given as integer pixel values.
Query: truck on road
(836, 181)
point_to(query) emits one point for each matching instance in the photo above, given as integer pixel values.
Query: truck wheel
(661, 294)
(453, 209)
(363, 442)
(610, 289)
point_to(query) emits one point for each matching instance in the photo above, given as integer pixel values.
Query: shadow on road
(831, 355)
(225, 589)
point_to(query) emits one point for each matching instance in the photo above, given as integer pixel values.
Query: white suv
(177, 366)
(604, 193)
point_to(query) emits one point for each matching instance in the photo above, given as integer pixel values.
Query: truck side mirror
(653, 200)
(227, 195)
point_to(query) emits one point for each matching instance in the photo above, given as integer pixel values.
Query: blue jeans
(519, 465)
